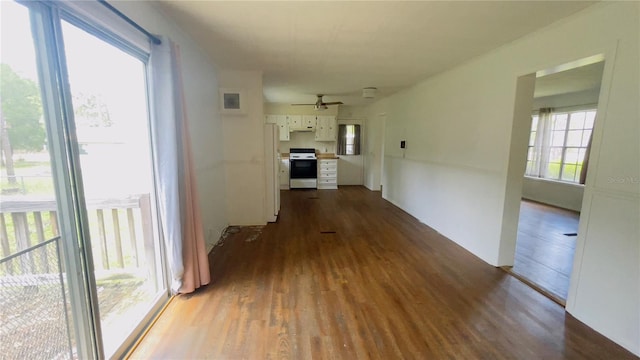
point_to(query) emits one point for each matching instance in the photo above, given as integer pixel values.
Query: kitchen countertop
(319, 156)
(327, 156)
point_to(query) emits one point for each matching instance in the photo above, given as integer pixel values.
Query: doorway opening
(349, 146)
(563, 117)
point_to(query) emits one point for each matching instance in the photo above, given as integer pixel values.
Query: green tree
(20, 113)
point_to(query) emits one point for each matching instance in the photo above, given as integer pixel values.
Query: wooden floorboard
(383, 286)
(544, 254)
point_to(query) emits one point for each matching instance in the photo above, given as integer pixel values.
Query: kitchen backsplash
(307, 140)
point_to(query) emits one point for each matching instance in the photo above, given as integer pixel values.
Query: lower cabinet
(328, 174)
(284, 174)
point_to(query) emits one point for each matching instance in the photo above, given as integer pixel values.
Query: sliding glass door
(82, 176)
(108, 91)
(34, 293)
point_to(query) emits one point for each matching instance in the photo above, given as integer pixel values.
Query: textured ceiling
(337, 48)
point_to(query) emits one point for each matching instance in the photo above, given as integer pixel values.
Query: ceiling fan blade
(301, 104)
(334, 103)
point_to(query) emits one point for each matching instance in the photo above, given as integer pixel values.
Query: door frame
(521, 128)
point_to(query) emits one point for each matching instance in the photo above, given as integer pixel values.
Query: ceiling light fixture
(320, 107)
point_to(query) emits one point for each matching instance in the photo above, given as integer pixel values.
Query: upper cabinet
(283, 124)
(309, 122)
(295, 122)
(326, 128)
(302, 122)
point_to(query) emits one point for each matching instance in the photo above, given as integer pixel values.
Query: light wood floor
(383, 286)
(544, 254)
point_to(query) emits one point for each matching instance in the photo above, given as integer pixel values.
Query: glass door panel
(34, 294)
(108, 89)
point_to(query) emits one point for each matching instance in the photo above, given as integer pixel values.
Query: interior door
(351, 167)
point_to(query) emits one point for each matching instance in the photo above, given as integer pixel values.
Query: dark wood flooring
(544, 254)
(346, 275)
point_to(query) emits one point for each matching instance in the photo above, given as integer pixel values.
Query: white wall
(244, 151)
(563, 195)
(201, 95)
(453, 174)
(286, 109)
(346, 112)
(587, 97)
(374, 148)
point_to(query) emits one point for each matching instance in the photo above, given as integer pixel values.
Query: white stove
(304, 168)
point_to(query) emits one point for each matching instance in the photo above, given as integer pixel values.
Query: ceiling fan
(321, 105)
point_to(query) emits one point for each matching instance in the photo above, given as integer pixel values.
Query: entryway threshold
(531, 284)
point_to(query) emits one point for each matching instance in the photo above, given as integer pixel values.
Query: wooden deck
(347, 275)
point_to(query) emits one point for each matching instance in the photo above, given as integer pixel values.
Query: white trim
(536, 178)
(101, 18)
(578, 107)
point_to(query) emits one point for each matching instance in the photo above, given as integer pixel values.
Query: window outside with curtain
(348, 140)
(70, 184)
(559, 144)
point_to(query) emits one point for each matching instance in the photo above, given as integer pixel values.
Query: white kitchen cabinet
(328, 174)
(283, 125)
(326, 128)
(284, 174)
(309, 122)
(295, 122)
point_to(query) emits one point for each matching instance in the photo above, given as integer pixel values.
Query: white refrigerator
(272, 171)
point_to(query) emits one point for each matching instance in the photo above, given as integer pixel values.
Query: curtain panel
(342, 140)
(180, 219)
(356, 140)
(348, 140)
(540, 150)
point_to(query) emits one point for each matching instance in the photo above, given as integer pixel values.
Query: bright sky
(96, 68)
(16, 44)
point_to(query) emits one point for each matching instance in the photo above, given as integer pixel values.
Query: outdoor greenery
(21, 110)
(28, 185)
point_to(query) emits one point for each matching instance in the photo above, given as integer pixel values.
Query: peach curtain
(177, 197)
(194, 252)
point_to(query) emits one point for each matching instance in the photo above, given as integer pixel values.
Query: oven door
(304, 168)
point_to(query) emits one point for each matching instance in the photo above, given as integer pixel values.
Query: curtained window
(348, 140)
(559, 144)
